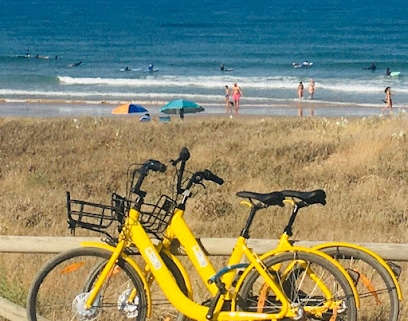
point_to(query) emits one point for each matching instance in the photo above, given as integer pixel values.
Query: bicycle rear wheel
(293, 272)
(377, 291)
(59, 290)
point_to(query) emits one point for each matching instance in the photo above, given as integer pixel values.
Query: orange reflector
(369, 286)
(72, 267)
(262, 298)
(115, 270)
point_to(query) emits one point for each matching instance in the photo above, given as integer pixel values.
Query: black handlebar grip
(183, 156)
(148, 165)
(155, 166)
(212, 177)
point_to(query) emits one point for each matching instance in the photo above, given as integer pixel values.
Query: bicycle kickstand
(213, 303)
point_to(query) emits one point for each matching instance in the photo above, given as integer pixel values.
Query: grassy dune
(361, 164)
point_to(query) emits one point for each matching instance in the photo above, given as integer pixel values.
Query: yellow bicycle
(376, 280)
(103, 282)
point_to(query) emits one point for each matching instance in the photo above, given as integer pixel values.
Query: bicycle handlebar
(149, 165)
(197, 177)
(184, 156)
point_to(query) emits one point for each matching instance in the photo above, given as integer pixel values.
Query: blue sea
(188, 41)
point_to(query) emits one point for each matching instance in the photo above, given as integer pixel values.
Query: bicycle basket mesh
(156, 217)
(94, 216)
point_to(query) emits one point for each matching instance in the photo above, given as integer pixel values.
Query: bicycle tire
(377, 291)
(302, 292)
(161, 307)
(58, 293)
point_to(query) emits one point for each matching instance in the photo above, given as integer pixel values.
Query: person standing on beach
(300, 90)
(227, 100)
(182, 114)
(311, 88)
(236, 95)
(387, 100)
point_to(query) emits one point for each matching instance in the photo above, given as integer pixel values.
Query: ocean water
(188, 41)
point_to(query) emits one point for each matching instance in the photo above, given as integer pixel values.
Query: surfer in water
(150, 67)
(372, 67)
(388, 72)
(222, 67)
(75, 64)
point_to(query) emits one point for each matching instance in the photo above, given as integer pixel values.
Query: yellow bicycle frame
(133, 232)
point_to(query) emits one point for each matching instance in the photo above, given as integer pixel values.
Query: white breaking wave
(350, 85)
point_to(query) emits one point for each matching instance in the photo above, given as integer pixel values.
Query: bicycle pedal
(397, 269)
(206, 303)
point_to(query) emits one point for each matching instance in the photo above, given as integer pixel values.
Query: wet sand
(102, 109)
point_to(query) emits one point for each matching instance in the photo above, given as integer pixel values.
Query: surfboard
(303, 64)
(154, 70)
(395, 73)
(130, 69)
(229, 69)
(75, 64)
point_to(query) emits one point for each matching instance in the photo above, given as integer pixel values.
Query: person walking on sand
(300, 90)
(311, 88)
(236, 95)
(387, 100)
(227, 100)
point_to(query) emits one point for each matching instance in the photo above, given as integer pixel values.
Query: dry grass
(362, 165)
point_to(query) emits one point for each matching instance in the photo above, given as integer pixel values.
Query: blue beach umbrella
(129, 109)
(174, 107)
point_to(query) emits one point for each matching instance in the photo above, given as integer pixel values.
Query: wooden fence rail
(213, 246)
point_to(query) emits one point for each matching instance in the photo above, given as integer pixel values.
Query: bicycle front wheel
(61, 288)
(161, 308)
(376, 289)
(314, 287)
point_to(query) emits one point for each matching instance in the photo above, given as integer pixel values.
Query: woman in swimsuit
(311, 88)
(236, 95)
(300, 90)
(227, 100)
(387, 100)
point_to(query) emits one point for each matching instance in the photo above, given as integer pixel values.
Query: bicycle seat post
(251, 216)
(288, 227)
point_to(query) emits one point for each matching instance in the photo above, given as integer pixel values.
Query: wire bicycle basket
(156, 217)
(94, 216)
(99, 217)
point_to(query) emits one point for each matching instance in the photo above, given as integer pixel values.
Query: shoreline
(295, 108)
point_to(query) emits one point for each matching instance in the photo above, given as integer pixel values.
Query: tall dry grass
(361, 164)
